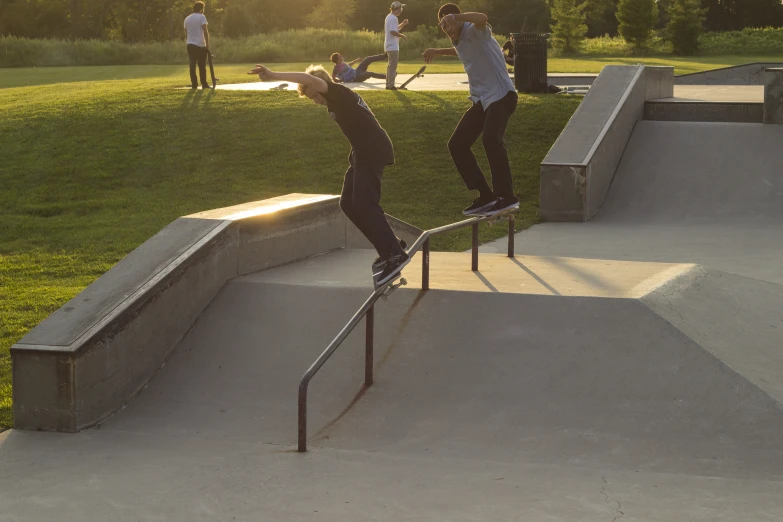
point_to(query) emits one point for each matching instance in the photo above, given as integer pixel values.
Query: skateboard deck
(409, 80)
(501, 215)
(212, 68)
(390, 286)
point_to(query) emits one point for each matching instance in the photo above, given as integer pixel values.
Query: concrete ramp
(539, 388)
(684, 192)
(690, 173)
(737, 319)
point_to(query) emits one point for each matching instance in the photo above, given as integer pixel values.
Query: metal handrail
(368, 308)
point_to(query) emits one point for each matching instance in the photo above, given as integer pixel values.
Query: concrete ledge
(725, 112)
(773, 96)
(746, 74)
(577, 171)
(94, 354)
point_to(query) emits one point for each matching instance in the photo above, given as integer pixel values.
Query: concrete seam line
(613, 116)
(155, 279)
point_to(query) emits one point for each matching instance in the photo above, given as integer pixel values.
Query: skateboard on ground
(281, 87)
(211, 68)
(418, 74)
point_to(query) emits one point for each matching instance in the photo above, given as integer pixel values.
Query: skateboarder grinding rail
(494, 101)
(371, 152)
(343, 72)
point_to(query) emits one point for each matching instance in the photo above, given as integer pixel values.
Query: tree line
(160, 20)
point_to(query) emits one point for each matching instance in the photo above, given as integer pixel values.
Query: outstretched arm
(294, 77)
(478, 19)
(355, 61)
(430, 54)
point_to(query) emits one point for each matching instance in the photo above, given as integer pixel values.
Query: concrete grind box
(98, 351)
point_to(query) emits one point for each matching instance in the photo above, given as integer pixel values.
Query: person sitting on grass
(371, 152)
(343, 72)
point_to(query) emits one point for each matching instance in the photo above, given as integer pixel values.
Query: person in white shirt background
(198, 44)
(393, 30)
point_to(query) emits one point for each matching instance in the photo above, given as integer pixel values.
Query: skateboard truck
(502, 215)
(392, 287)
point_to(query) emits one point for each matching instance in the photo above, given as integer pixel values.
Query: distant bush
(767, 41)
(616, 46)
(296, 45)
(304, 45)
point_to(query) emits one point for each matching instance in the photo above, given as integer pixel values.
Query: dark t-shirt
(367, 138)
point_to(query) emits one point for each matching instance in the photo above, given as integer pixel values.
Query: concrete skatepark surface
(487, 406)
(627, 368)
(428, 82)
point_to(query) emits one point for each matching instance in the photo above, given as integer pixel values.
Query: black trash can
(530, 67)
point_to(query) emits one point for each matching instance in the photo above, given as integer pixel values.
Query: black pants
(363, 74)
(492, 123)
(360, 200)
(198, 54)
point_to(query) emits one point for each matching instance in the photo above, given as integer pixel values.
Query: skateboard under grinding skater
(212, 68)
(409, 80)
(508, 213)
(389, 286)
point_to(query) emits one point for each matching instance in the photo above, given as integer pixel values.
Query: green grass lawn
(236, 73)
(91, 170)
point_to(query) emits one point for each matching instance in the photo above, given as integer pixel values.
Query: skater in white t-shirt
(393, 31)
(198, 44)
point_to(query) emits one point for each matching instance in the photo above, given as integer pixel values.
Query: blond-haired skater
(371, 152)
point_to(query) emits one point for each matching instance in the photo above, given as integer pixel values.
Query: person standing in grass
(198, 44)
(371, 152)
(494, 101)
(393, 31)
(343, 72)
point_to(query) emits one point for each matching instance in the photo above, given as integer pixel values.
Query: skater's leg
(498, 115)
(465, 135)
(366, 204)
(369, 60)
(362, 76)
(391, 69)
(365, 75)
(193, 60)
(202, 66)
(346, 198)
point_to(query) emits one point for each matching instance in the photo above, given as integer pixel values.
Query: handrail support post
(368, 348)
(425, 265)
(511, 235)
(474, 261)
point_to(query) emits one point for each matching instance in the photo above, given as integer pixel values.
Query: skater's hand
(404, 23)
(263, 73)
(429, 54)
